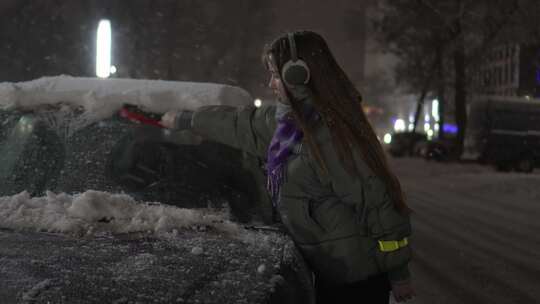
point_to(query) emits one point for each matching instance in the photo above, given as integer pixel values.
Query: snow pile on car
(101, 98)
(193, 267)
(95, 212)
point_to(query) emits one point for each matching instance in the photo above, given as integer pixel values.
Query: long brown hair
(338, 102)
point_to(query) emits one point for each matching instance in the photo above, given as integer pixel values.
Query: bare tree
(427, 34)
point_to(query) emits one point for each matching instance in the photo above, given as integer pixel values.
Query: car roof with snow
(103, 97)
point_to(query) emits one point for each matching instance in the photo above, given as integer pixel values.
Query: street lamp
(435, 110)
(103, 49)
(257, 103)
(399, 125)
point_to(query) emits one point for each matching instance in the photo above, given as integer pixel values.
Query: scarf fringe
(276, 178)
(287, 139)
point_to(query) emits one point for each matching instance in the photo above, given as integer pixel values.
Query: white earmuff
(295, 71)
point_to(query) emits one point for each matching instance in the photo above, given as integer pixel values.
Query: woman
(327, 173)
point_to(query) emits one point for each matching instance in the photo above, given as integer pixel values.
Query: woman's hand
(167, 120)
(403, 290)
(177, 120)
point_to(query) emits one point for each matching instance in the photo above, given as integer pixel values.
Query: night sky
(174, 40)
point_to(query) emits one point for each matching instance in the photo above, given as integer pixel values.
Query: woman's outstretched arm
(246, 128)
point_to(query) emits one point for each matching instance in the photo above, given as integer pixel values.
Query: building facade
(509, 70)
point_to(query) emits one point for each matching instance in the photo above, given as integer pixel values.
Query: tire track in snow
(435, 225)
(476, 267)
(512, 227)
(454, 198)
(480, 237)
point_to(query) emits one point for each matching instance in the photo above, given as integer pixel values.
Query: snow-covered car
(97, 208)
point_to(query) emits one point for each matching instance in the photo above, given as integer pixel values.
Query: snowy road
(476, 233)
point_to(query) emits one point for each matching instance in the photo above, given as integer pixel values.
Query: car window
(113, 155)
(510, 120)
(151, 168)
(13, 138)
(31, 155)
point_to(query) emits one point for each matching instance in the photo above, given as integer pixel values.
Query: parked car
(62, 137)
(406, 143)
(439, 149)
(504, 131)
(53, 140)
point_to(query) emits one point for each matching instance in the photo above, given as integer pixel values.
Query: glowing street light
(399, 125)
(257, 103)
(435, 110)
(411, 122)
(387, 138)
(103, 49)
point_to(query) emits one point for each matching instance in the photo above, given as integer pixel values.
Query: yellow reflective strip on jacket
(389, 246)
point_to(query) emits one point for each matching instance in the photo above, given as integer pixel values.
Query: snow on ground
(95, 212)
(472, 177)
(475, 232)
(35, 290)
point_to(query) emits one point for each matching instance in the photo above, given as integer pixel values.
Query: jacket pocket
(335, 217)
(310, 206)
(373, 223)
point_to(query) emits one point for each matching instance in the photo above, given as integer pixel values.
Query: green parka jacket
(335, 220)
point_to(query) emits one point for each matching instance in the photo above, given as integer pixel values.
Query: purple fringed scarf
(286, 137)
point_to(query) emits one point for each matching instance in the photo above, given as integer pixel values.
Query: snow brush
(131, 115)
